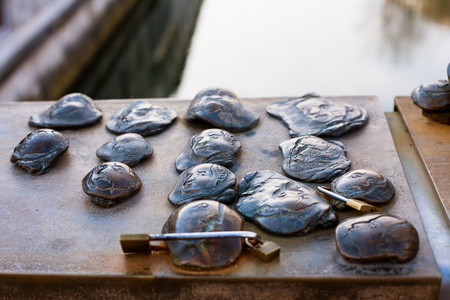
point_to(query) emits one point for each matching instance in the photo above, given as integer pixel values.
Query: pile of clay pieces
(283, 205)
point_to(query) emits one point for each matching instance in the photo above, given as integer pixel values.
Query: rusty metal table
(423, 147)
(55, 243)
(432, 140)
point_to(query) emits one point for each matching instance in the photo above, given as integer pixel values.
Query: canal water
(268, 48)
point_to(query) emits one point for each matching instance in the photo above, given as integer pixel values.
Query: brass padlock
(144, 242)
(264, 250)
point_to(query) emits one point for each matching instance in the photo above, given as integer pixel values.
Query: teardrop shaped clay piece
(38, 150)
(111, 183)
(128, 148)
(313, 115)
(282, 206)
(377, 237)
(312, 159)
(216, 146)
(204, 216)
(204, 181)
(363, 184)
(223, 109)
(71, 111)
(141, 117)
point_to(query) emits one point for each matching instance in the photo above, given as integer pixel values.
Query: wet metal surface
(53, 234)
(377, 237)
(312, 159)
(363, 184)
(204, 216)
(71, 111)
(222, 109)
(37, 151)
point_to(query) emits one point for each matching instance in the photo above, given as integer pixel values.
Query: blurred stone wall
(147, 55)
(47, 45)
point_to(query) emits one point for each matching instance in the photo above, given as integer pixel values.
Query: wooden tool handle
(362, 206)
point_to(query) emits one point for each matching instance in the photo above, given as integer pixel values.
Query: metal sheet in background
(55, 242)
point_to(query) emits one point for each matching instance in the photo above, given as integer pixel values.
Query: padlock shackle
(141, 242)
(204, 235)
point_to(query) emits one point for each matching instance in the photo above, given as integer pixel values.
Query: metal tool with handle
(144, 242)
(353, 203)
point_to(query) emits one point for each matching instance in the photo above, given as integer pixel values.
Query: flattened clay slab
(432, 95)
(282, 206)
(111, 183)
(71, 111)
(204, 181)
(38, 150)
(128, 148)
(312, 159)
(223, 109)
(141, 117)
(204, 216)
(215, 146)
(313, 115)
(363, 184)
(377, 237)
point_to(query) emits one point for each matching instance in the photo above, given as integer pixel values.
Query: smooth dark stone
(363, 184)
(111, 183)
(377, 237)
(312, 159)
(215, 146)
(128, 148)
(282, 206)
(204, 216)
(432, 95)
(38, 150)
(204, 181)
(71, 111)
(441, 116)
(313, 115)
(141, 117)
(223, 109)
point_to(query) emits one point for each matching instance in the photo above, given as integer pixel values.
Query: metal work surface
(432, 140)
(55, 241)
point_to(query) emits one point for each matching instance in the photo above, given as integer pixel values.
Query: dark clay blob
(214, 146)
(441, 116)
(313, 115)
(72, 111)
(141, 117)
(204, 181)
(312, 159)
(223, 109)
(38, 150)
(433, 95)
(204, 216)
(282, 206)
(128, 148)
(377, 237)
(363, 184)
(111, 183)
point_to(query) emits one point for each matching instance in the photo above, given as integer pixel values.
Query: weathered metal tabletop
(56, 243)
